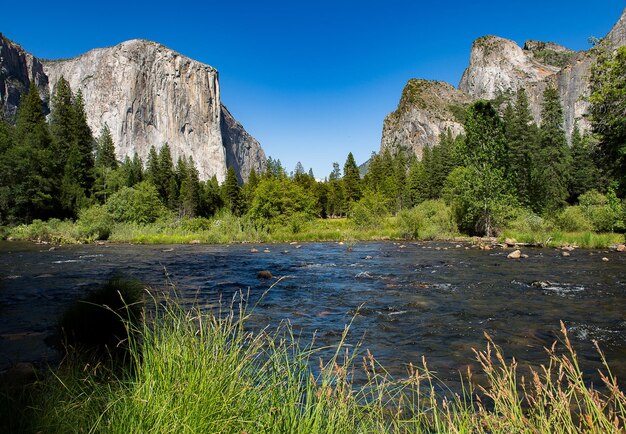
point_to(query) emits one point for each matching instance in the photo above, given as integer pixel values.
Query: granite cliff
(148, 95)
(498, 68)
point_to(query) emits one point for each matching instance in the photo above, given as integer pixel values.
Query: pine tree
(62, 120)
(152, 166)
(553, 162)
(189, 196)
(417, 183)
(105, 152)
(29, 171)
(521, 135)
(166, 181)
(585, 175)
(608, 105)
(351, 179)
(232, 192)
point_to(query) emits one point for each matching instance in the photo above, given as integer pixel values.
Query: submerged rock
(264, 275)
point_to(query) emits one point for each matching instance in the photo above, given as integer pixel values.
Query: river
(431, 299)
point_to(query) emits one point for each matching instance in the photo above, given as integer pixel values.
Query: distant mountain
(148, 95)
(498, 67)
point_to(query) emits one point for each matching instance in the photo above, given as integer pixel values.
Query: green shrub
(95, 223)
(573, 219)
(369, 212)
(197, 224)
(523, 220)
(138, 204)
(604, 212)
(430, 219)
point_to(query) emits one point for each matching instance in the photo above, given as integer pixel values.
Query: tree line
(504, 162)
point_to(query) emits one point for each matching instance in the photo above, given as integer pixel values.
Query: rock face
(426, 110)
(498, 68)
(243, 152)
(17, 69)
(150, 95)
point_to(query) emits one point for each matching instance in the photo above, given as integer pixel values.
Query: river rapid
(404, 301)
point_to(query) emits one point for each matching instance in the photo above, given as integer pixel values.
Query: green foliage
(573, 219)
(351, 180)
(553, 162)
(605, 213)
(369, 212)
(522, 137)
(232, 193)
(554, 58)
(608, 105)
(429, 220)
(94, 223)
(585, 174)
(105, 150)
(479, 192)
(27, 174)
(276, 200)
(523, 219)
(139, 204)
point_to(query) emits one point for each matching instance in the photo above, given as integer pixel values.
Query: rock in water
(264, 275)
(515, 254)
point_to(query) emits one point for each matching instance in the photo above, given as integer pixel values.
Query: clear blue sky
(311, 80)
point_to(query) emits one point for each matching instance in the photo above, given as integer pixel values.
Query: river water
(431, 299)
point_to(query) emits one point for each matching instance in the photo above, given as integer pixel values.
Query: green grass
(197, 372)
(226, 229)
(556, 238)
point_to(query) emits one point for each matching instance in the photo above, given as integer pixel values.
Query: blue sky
(311, 81)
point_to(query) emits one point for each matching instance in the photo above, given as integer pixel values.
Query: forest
(505, 175)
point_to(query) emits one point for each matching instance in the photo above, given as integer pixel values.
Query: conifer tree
(351, 179)
(232, 192)
(553, 162)
(105, 152)
(585, 175)
(608, 105)
(152, 166)
(29, 171)
(189, 196)
(521, 135)
(62, 121)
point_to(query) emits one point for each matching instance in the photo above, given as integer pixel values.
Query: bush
(198, 224)
(95, 223)
(369, 212)
(429, 220)
(573, 219)
(523, 220)
(604, 212)
(138, 204)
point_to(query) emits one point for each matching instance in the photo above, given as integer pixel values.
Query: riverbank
(193, 371)
(229, 229)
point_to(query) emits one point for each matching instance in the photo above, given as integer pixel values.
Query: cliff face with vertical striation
(150, 95)
(17, 69)
(498, 68)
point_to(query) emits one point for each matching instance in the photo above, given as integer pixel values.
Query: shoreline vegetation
(229, 229)
(191, 371)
